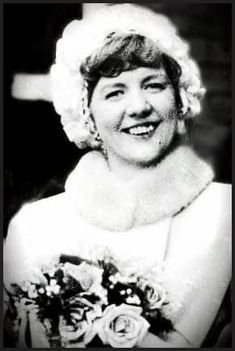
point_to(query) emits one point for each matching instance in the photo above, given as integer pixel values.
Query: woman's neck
(126, 170)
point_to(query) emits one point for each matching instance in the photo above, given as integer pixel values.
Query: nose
(137, 105)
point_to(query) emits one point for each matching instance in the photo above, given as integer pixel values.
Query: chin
(146, 152)
(144, 158)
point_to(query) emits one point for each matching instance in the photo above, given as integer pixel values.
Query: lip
(155, 124)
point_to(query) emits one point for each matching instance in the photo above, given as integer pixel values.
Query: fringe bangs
(120, 53)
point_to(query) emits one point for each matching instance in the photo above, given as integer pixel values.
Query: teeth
(141, 130)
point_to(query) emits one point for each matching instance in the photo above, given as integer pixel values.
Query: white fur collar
(111, 203)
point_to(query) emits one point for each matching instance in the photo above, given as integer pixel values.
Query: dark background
(37, 154)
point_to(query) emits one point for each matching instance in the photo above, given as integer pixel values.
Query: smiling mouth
(144, 129)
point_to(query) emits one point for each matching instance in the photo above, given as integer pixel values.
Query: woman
(126, 91)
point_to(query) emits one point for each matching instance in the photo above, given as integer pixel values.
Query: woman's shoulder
(40, 228)
(41, 214)
(201, 235)
(213, 197)
(205, 226)
(45, 219)
(210, 212)
(221, 192)
(214, 205)
(44, 207)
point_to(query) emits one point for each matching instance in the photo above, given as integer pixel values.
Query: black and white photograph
(117, 175)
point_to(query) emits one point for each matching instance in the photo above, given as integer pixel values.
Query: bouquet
(81, 303)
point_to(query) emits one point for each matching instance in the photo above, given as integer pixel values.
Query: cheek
(164, 104)
(166, 132)
(105, 126)
(107, 117)
(98, 116)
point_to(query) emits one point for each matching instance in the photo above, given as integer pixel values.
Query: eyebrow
(112, 86)
(155, 76)
(123, 85)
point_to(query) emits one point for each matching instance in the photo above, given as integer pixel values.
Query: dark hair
(126, 52)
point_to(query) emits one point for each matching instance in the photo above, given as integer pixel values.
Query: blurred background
(37, 153)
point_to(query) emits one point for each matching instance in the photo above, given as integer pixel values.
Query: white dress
(179, 224)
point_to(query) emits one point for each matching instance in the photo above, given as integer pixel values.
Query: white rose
(122, 326)
(70, 334)
(86, 274)
(155, 294)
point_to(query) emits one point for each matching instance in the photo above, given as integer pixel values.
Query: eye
(114, 95)
(155, 86)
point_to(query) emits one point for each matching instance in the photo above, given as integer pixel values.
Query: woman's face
(135, 114)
